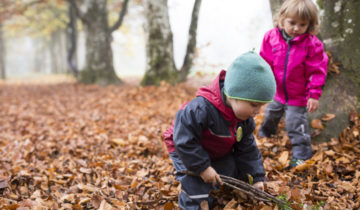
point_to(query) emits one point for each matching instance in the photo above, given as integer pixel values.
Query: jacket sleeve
(188, 128)
(247, 155)
(266, 50)
(316, 68)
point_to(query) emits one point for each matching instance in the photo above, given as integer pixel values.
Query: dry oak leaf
(283, 158)
(307, 164)
(342, 160)
(318, 156)
(316, 123)
(118, 141)
(169, 206)
(230, 205)
(328, 117)
(3, 182)
(347, 186)
(105, 205)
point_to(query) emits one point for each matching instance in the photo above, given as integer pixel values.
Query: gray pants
(296, 124)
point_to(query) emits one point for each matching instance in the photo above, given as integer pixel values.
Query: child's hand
(209, 175)
(259, 185)
(312, 105)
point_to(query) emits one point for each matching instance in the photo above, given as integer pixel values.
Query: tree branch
(245, 188)
(121, 16)
(8, 8)
(191, 46)
(78, 13)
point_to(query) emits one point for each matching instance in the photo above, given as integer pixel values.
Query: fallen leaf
(85, 170)
(307, 164)
(316, 123)
(296, 194)
(267, 208)
(356, 133)
(347, 186)
(318, 156)
(118, 141)
(230, 205)
(284, 155)
(169, 206)
(3, 182)
(329, 169)
(105, 205)
(330, 153)
(342, 160)
(142, 173)
(328, 117)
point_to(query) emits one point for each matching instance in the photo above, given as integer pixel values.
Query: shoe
(296, 162)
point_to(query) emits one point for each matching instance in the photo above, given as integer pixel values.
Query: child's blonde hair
(303, 9)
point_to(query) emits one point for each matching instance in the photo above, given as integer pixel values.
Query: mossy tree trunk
(2, 54)
(99, 67)
(340, 30)
(160, 64)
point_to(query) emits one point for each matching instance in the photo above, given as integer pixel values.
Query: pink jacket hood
(299, 67)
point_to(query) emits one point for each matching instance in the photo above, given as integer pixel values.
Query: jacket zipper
(284, 79)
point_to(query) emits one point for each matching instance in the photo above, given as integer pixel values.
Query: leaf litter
(73, 146)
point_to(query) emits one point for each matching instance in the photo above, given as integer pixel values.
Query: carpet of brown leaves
(72, 146)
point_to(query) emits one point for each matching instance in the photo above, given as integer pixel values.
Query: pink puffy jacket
(299, 67)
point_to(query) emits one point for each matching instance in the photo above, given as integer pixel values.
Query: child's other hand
(259, 185)
(312, 105)
(209, 175)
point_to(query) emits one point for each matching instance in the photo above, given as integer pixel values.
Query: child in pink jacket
(299, 64)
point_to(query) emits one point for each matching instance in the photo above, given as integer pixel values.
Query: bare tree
(99, 58)
(159, 46)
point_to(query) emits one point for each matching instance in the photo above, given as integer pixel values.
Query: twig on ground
(245, 188)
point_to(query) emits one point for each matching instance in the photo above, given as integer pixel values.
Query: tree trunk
(190, 50)
(340, 29)
(53, 53)
(275, 6)
(71, 40)
(99, 59)
(159, 45)
(2, 54)
(160, 63)
(62, 50)
(40, 56)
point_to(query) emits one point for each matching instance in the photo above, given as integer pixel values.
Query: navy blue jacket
(205, 129)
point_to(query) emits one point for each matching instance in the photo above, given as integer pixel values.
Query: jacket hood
(213, 93)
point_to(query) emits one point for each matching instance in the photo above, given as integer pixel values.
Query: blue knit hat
(250, 78)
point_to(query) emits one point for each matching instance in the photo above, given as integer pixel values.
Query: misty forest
(88, 87)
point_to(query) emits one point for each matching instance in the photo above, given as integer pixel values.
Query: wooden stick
(245, 188)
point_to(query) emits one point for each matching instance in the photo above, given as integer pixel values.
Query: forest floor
(72, 146)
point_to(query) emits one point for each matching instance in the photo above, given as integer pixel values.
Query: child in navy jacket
(212, 134)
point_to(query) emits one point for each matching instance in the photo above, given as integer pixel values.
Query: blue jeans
(193, 189)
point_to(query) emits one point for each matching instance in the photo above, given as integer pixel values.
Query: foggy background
(226, 29)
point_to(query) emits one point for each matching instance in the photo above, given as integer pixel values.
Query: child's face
(295, 26)
(244, 109)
